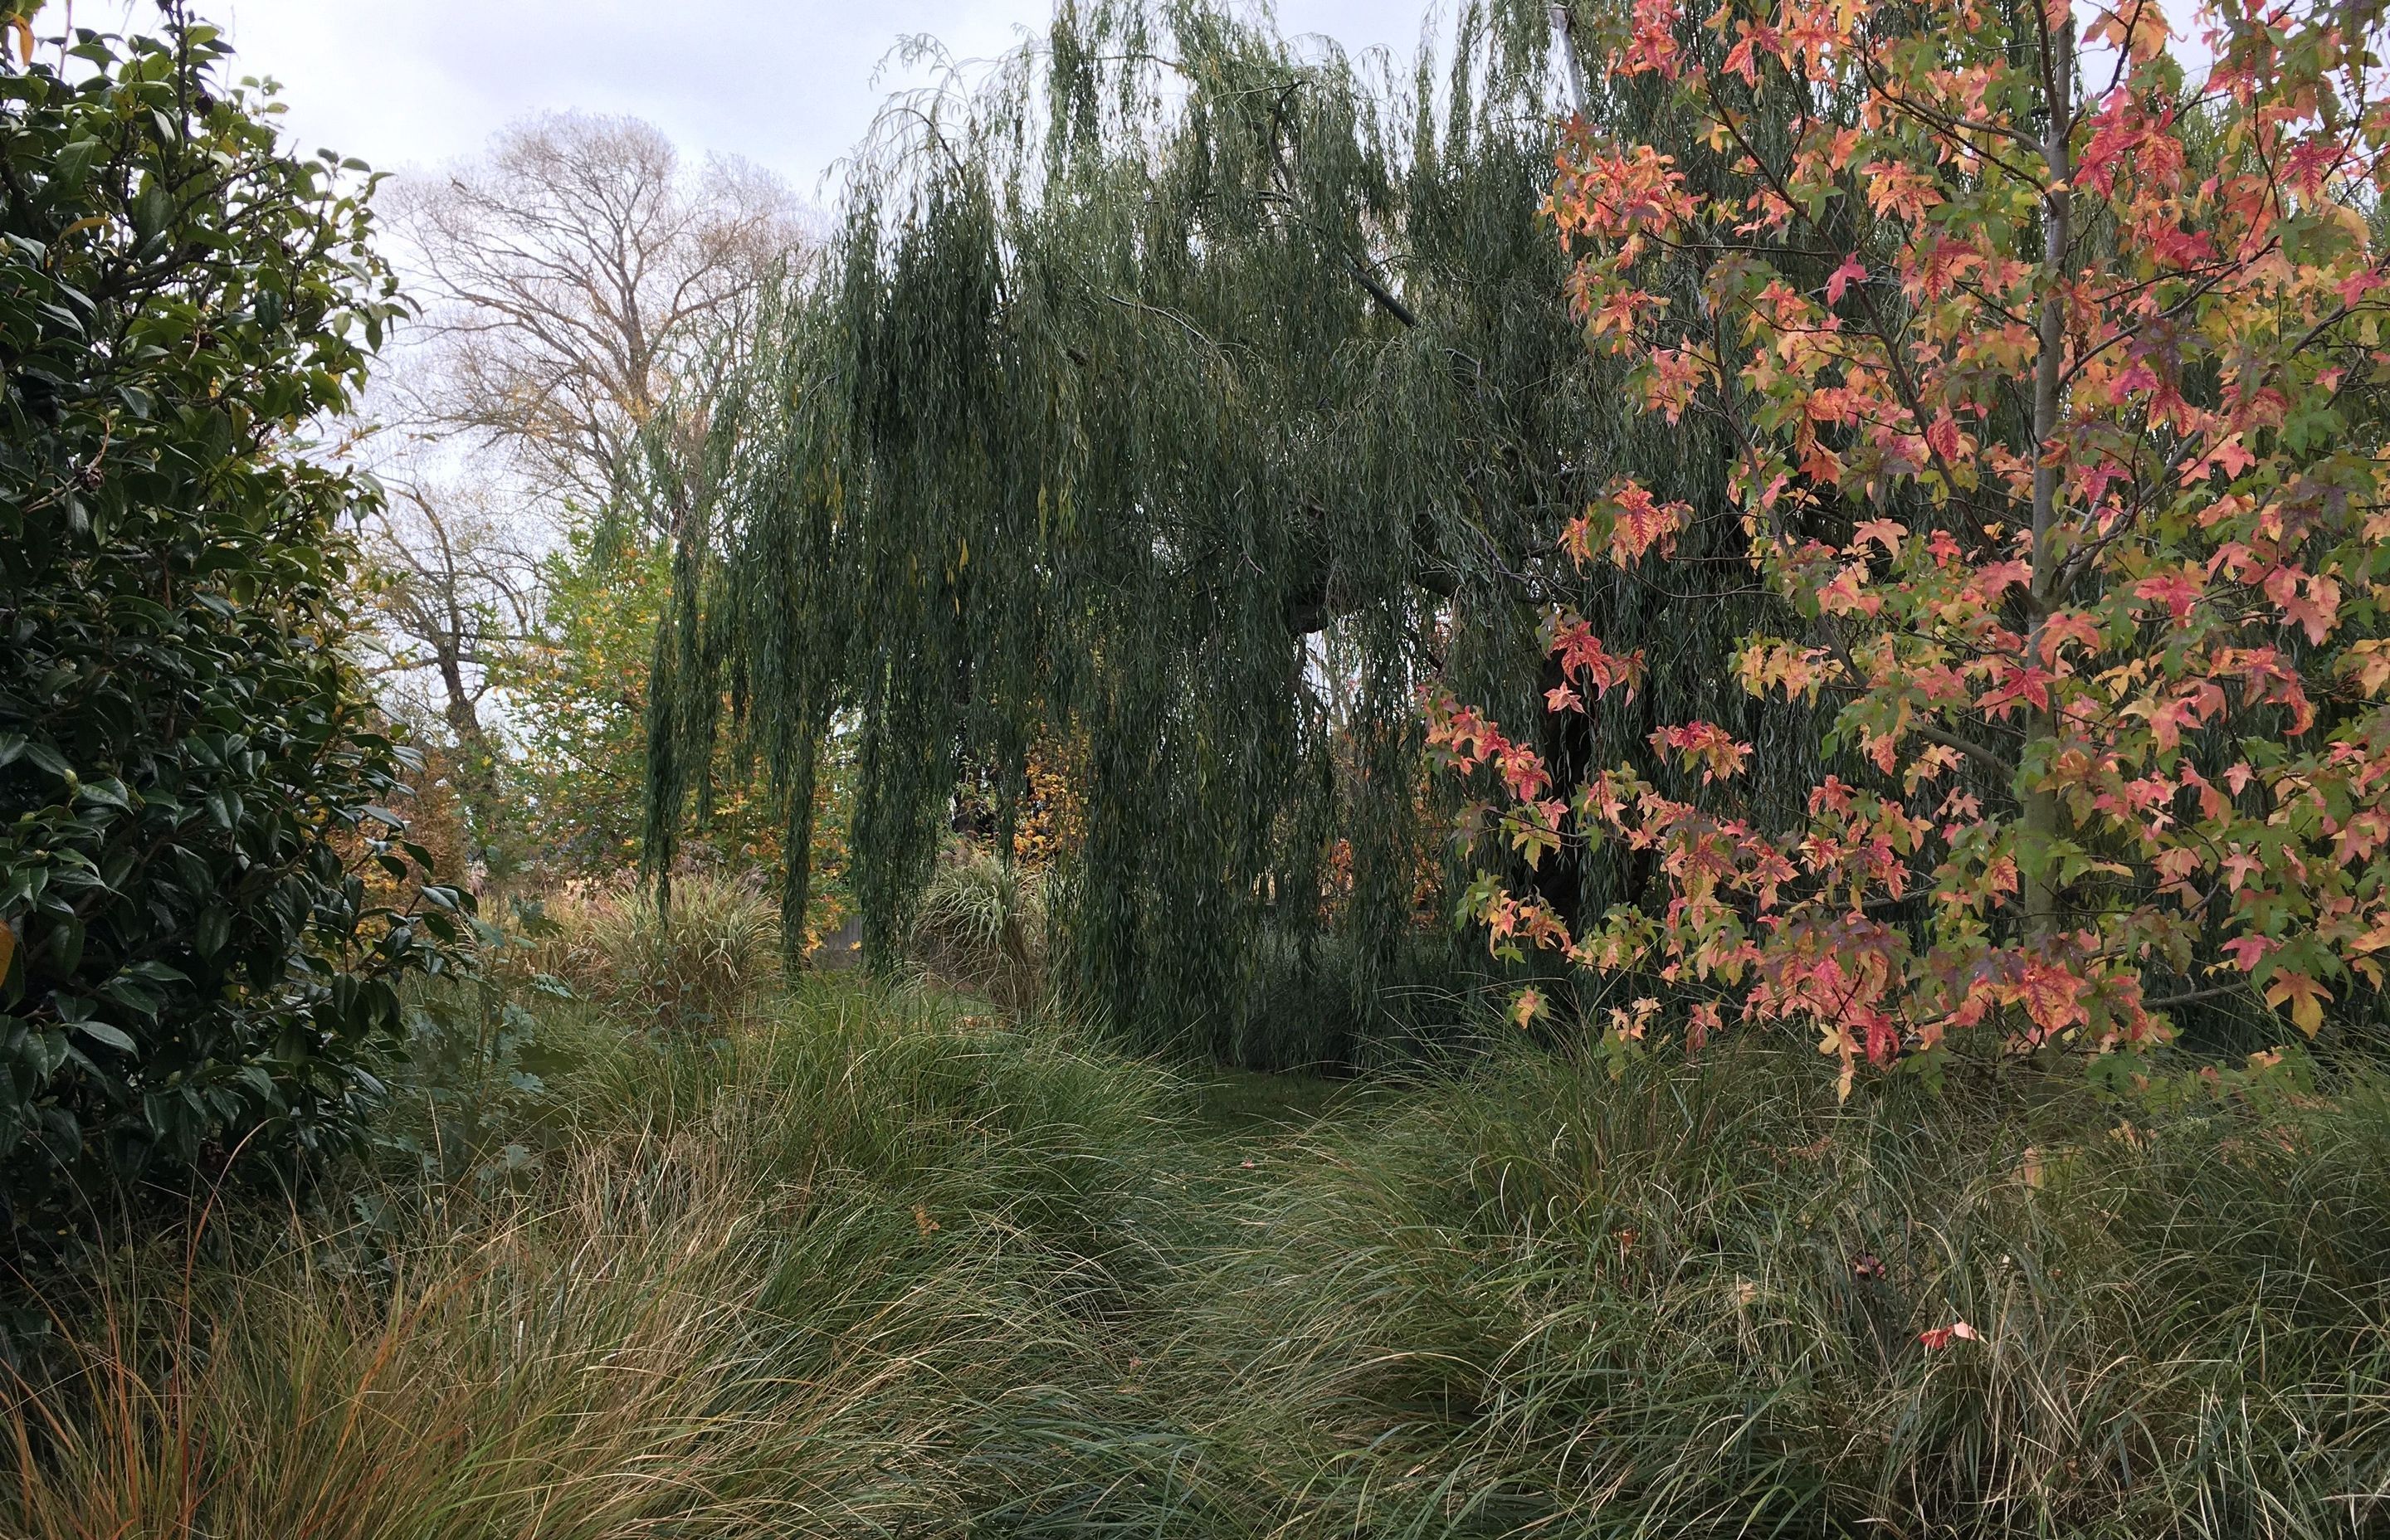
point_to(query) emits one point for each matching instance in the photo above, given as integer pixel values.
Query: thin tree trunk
(797, 852)
(476, 774)
(2041, 809)
(664, 791)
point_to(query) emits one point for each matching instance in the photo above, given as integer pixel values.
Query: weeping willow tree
(1179, 399)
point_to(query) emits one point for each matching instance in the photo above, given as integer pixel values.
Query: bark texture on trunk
(2041, 809)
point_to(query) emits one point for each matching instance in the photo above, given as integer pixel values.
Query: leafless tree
(573, 282)
(457, 594)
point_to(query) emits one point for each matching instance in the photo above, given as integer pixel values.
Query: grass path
(1177, 1431)
(1246, 1133)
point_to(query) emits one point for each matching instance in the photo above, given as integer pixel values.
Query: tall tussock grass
(982, 926)
(705, 960)
(744, 1298)
(863, 1266)
(1705, 1299)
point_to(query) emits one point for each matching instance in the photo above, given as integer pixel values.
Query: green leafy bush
(472, 1090)
(188, 769)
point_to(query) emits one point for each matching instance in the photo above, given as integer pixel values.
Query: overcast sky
(786, 82)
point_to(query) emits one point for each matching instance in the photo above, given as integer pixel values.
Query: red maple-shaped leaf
(1940, 1337)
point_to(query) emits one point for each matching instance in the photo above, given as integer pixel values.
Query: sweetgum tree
(189, 964)
(2053, 382)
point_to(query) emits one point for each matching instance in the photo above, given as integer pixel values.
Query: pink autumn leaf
(1843, 276)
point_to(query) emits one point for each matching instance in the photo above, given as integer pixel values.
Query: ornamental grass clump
(864, 1265)
(705, 960)
(754, 1291)
(980, 925)
(1708, 1298)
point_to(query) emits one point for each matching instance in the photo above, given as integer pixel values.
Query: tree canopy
(2053, 387)
(1177, 400)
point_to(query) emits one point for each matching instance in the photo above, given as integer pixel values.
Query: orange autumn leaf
(2304, 996)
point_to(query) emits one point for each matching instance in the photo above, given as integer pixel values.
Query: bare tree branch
(572, 282)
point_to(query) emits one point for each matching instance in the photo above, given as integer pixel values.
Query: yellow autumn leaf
(2369, 663)
(2306, 996)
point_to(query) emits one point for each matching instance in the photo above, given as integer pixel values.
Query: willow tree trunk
(797, 851)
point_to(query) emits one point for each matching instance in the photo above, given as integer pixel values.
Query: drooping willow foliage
(1176, 401)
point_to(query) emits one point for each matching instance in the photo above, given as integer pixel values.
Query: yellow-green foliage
(581, 687)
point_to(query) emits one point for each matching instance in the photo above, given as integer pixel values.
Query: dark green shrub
(188, 769)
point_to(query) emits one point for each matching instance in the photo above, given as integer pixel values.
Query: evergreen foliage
(189, 966)
(1188, 398)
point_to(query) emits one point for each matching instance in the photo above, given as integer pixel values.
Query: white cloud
(787, 84)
